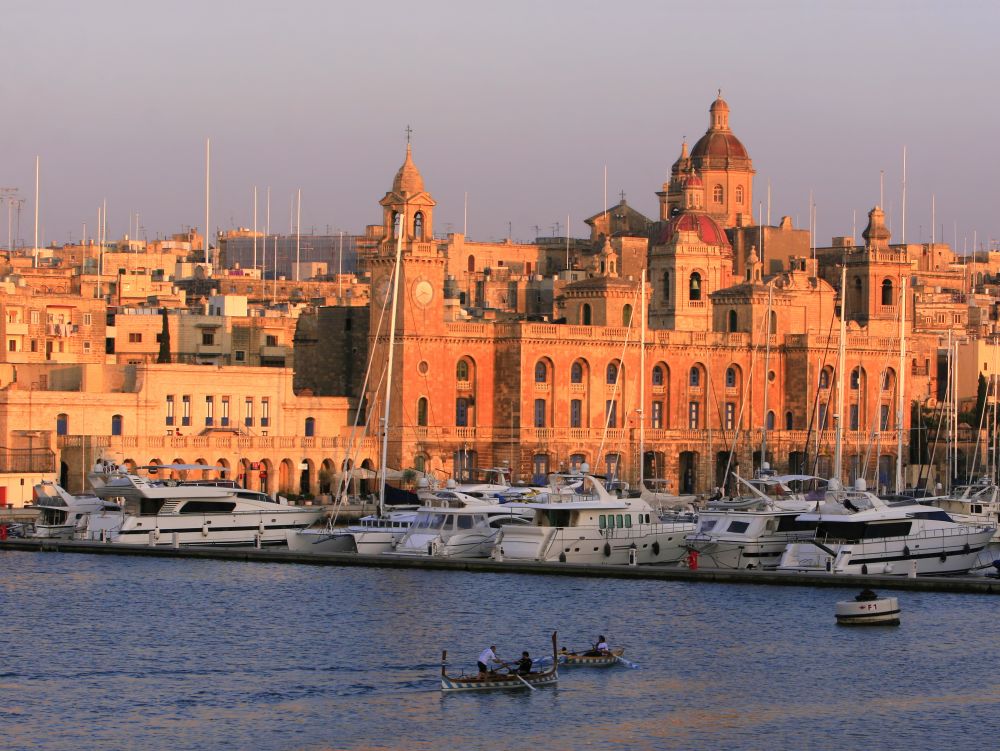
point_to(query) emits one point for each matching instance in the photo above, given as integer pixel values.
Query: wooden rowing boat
(583, 659)
(494, 681)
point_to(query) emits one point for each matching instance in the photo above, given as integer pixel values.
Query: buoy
(607, 549)
(656, 548)
(868, 609)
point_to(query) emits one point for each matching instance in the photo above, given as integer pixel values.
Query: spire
(408, 179)
(876, 234)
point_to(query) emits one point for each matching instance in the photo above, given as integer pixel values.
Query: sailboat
(378, 533)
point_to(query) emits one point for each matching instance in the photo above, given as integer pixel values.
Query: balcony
(463, 386)
(17, 329)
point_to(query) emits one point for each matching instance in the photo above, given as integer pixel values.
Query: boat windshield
(427, 520)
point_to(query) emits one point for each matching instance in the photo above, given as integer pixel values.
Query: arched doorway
(687, 472)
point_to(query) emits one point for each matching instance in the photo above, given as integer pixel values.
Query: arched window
(472, 264)
(733, 320)
(612, 373)
(462, 370)
(62, 424)
(887, 296)
(576, 373)
(418, 225)
(824, 379)
(694, 378)
(717, 194)
(116, 424)
(585, 314)
(627, 315)
(789, 421)
(730, 378)
(310, 427)
(666, 285)
(541, 372)
(739, 194)
(888, 380)
(769, 421)
(657, 375)
(694, 287)
(422, 411)
(461, 412)
(855, 379)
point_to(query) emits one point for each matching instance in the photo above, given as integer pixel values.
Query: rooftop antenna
(567, 241)
(298, 230)
(208, 192)
(904, 196)
(606, 225)
(255, 226)
(34, 256)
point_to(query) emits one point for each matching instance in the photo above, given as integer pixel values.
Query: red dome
(693, 181)
(719, 144)
(709, 231)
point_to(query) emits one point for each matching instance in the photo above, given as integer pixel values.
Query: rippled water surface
(113, 652)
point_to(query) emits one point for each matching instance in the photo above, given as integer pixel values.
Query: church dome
(719, 144)
(408, 179)
(709, 231)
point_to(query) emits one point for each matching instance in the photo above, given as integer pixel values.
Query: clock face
(423, 293)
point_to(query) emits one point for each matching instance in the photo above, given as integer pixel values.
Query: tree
(164, 355)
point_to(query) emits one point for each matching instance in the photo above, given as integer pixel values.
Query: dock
(964, 584)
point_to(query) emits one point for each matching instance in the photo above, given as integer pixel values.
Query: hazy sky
(521, 104)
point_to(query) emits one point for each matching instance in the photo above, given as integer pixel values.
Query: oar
(515, 674)
(626, 663)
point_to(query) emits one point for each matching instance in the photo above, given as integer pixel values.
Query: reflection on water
(118, 652)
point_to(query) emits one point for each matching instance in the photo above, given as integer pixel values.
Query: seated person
(524, 664)
(487, 658)
(602, 646)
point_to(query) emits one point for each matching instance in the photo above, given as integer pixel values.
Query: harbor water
(118, 652)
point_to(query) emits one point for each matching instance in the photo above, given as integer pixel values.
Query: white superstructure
(63, 515)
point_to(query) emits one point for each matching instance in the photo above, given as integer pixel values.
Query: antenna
(904, 195)
(933, 219)
(208, 192)
(298, 222)
(255, 226)
(34, 256)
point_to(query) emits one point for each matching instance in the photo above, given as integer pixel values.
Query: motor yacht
(751, 530)
(370, 535)
(978, 503)
(208, 512)
(859, 533)
(454, 525)
(63, 515)
(581, 522)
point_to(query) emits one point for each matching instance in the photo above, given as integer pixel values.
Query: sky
(520, 105)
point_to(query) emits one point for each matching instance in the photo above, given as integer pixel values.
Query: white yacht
(454, 525)
(658, 495)
(587, 524)
(751, 531)
(62, 515)
(978, 503)
(859, 533)
(491, 484)
(370, 535)
(211, 512)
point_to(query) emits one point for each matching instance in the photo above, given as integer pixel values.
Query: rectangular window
(225, 412)
(209, 410)
(170, 409)
(822, 415)
(34, 316)
(12, 345)
(539, 413)
(208, 337)
(88, 319)
(693, 415)
(730, 415)
(657, 416)
(134, 337)
(265, 412)
(271, 340)
(86, 347)
(854, 417)
(241, 355)
(884, 417)
(34, 345)
(575, 413)
(461, 412)
(185, 410)
(248, 412)
(611, 413)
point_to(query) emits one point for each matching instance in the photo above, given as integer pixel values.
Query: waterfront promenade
(965, 584)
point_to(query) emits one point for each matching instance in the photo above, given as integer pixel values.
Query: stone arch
(286, 473)
(732, 321)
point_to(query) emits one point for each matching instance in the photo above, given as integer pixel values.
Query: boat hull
(591, 546)
(499, 682)
(592, 661)
(366, 542)
(881, 612)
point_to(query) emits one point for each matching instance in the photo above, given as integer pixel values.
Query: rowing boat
(588, 659)
(494, 681)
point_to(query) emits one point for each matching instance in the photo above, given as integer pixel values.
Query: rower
(602, 645)
(486, 657)
(524, 664)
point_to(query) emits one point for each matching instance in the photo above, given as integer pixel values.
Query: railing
(27, 460)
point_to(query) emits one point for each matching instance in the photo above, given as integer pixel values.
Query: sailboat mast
(767, 371)
(642, 383)
(901, 386)
(392, 348)
(841, 357)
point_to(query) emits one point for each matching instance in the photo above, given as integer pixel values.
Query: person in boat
(487, 658)
(524, 664)
(601, 648)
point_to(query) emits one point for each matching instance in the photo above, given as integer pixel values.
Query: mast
(298, 233)
(767, 357)
(208, 184)
(34, 254)
(841, 357)
(388, 372)
(255, 227)
(642, 383)
(901, 386)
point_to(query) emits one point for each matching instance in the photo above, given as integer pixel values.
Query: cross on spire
(622, 194)
(409, 130)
